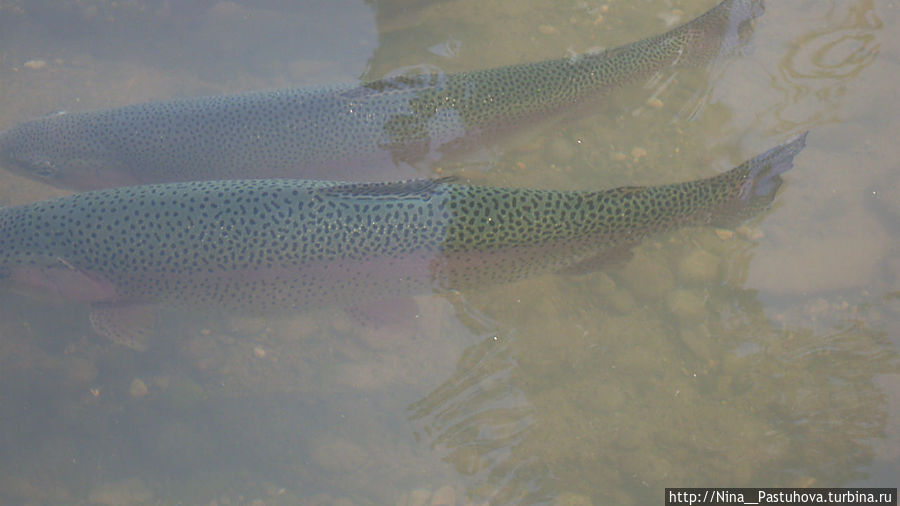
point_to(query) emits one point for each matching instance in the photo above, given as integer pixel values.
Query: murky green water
(762, 356)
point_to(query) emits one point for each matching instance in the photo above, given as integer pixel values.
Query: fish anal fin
(129, 324)
(610, 258)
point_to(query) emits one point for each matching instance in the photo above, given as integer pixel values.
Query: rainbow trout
(382, 130)
(257, 246)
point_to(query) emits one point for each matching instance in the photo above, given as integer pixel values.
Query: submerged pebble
(687, 306)
(699, 340)
(603, 284)
(699, 266)
(719, 242)
(724, 234)
(259, 352)
(548, 30)
(750, 233)
(138, 388)
(418, 497)
(35, 64)
(445, 496)
(572, 499)
(121, 493)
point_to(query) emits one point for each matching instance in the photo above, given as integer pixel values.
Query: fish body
(259, 246)
(380, 130)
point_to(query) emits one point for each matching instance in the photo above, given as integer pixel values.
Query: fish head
(61, 153)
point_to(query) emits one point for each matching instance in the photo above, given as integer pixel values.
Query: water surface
(761, 356)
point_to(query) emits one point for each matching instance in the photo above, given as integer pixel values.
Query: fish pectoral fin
(128, 324)
(64, 280)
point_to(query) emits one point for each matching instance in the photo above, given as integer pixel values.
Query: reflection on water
(665, 369)
(821, 64)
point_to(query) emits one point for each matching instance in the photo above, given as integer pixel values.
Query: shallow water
(761, 356)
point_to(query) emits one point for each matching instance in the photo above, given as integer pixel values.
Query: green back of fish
(488, 98)
(373, 131)
(271, 244)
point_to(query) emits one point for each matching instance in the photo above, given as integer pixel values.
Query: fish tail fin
(758, 180)
(764, 171)
(719, 32)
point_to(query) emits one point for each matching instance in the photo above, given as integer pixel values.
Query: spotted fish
(259, 246)
(377, 131)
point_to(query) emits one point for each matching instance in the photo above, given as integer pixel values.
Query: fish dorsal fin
(402, 80)
(413, 77)
(413, 188)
